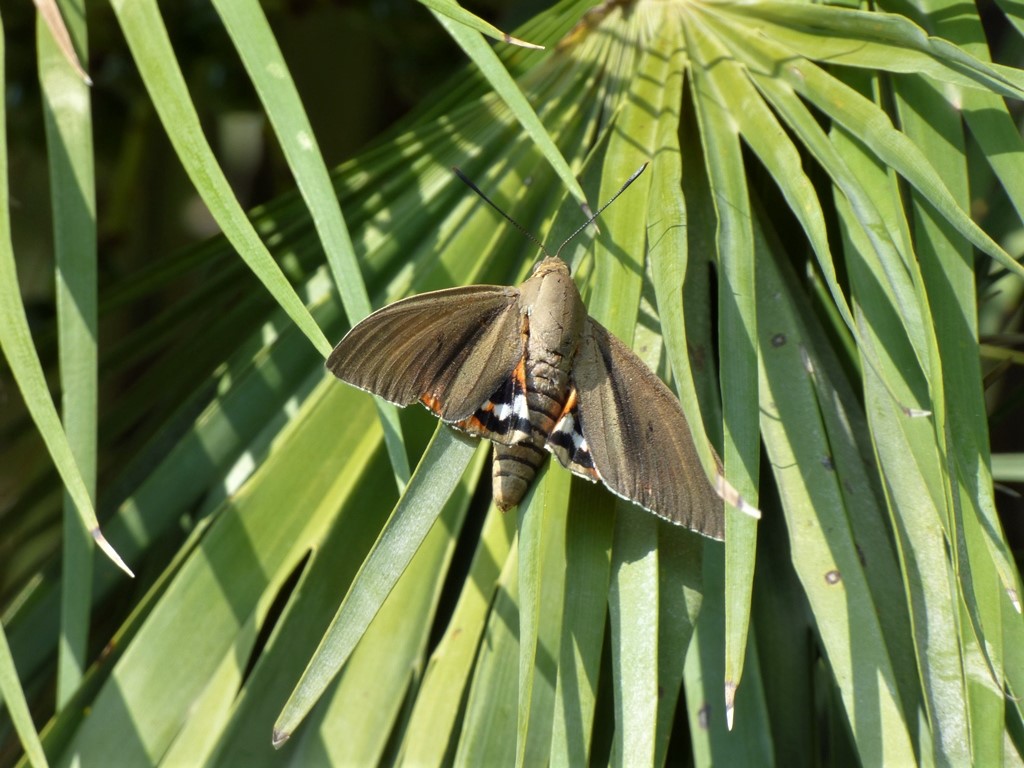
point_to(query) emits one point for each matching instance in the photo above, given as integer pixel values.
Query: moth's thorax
(556, 313)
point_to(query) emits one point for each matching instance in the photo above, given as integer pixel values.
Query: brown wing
(451, 349)
(638, 437)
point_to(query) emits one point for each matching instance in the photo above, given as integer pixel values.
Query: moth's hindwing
(568, 443)
(637, 435)
(505, 417)
(450, 349)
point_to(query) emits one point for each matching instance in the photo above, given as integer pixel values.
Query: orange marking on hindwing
(433, 403)
(519, 374)
(570, 403)
(475, 424)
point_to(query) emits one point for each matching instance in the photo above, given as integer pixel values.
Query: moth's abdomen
(512, 471)
(515, 465)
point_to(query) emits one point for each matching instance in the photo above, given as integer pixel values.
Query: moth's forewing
(451, 349)
(638, 437)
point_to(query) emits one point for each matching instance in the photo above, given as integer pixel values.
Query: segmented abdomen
(515, 465)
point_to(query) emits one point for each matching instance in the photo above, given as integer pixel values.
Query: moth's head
(550, 264)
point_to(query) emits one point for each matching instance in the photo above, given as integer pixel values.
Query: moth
(528, 369)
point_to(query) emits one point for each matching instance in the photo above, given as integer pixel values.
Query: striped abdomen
(546, 390)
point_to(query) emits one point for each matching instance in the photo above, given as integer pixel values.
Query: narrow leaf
(18, 348)
(17, 708)
(435, 478)
(151, 49)
(457, 13)
(491, 67)
(251, 34)
(72, 188)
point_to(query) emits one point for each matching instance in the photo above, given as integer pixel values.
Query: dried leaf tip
(49, 12)
(110, 552)
(727, 493)
(521, 43)
(730, 703)
(278, 738)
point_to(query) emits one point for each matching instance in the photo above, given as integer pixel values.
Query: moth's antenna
(516, 224)
(600, 210)
(533, 238)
